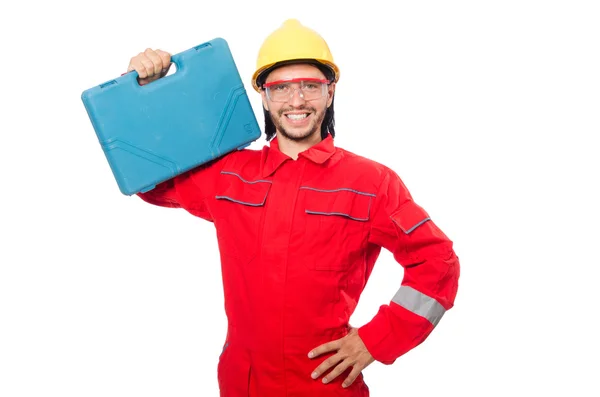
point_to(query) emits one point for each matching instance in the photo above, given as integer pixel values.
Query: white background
(489, 111)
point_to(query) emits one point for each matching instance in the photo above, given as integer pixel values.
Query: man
(300, 225)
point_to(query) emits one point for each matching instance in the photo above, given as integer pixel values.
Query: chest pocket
(240, 215)
(336, 222)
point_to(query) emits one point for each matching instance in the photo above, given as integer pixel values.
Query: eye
(279, 87)
(311, 86)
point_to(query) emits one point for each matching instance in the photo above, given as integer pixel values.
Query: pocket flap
(410, 216)
(348, 203)
(233, 187)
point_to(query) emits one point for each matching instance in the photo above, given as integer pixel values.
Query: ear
(265, 102)
(330, 92)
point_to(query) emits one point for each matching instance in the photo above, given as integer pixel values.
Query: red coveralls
(298, 241)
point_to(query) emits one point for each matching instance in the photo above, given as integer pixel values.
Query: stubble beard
(313, 129)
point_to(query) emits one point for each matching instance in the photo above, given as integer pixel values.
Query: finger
(155, 59)
(341, 367)
(137, 65)
(325, 365)
(324, 348)
(165, 58)
(352, 376)
(148, 65)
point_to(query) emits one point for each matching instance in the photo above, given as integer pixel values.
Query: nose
(297, 97)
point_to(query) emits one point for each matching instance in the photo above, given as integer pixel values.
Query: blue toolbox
(155, 132)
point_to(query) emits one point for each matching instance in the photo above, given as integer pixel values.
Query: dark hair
(327, 127)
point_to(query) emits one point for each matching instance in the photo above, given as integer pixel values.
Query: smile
(297, 116)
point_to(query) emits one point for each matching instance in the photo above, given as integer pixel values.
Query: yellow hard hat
(293, 41)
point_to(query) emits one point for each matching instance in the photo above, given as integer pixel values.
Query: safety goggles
(283, 90)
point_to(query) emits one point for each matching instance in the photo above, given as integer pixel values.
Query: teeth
(297, 116)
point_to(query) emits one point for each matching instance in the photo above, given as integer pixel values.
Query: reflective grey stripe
(243, 180)
(412, 228)
(337, 213)
(420, 304)
(224, 347)
(337, 190)
(417, 225)
(241, 202)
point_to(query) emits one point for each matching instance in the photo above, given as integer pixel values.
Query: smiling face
(298, 119)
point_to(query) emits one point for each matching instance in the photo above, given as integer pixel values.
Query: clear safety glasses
(283, 90)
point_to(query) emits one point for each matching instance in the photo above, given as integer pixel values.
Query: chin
(299, 135)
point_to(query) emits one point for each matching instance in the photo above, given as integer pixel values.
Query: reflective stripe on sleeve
(420, 304)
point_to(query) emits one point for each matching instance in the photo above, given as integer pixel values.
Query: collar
(272, 157)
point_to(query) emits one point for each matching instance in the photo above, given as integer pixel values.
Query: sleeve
(189, 191)
(431, 272)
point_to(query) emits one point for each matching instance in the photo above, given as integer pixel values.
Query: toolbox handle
(177, 59)
(131, 78)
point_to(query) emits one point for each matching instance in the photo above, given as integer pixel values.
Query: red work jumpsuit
(298, 240)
